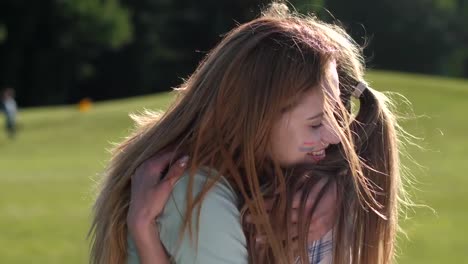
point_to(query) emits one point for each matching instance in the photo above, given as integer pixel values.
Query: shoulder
(220, 236)
(221, 191)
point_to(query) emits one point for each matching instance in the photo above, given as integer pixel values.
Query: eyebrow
(315, 116)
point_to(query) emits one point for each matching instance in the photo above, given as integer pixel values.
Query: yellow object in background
(85, 105)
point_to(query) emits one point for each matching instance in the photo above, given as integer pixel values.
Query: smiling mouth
(317, 155)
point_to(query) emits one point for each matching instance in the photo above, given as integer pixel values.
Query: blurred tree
(59, 51)
(456, 63)
(170, 37)
(50, 43)
(417, 35)
(3, 33)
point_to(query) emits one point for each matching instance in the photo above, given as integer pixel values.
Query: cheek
(285, 146)
(308, 140)
(308, 146)
(299, 146)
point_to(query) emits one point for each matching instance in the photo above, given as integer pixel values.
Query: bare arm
(149, 246)
(148, 197)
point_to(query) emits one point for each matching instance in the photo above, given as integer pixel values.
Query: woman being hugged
(266, 115)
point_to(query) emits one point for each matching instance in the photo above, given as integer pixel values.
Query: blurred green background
(55, 53)
(48, 173)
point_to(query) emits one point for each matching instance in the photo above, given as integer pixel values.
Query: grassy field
(47, 173)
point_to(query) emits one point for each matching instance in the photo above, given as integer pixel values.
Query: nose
(329, 135)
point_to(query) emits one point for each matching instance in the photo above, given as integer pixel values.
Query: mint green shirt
(220, 236)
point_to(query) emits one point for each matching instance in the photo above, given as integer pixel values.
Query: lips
(317, 155)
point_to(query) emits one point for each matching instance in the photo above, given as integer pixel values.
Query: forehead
(310, 104)
(312, 100)
(331, 82)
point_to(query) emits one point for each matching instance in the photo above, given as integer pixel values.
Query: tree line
(59, 51)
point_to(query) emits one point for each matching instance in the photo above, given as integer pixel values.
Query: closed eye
(317, 126)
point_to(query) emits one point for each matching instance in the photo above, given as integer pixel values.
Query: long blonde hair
(223, 117)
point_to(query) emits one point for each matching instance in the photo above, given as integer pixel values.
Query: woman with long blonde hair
(265, 116)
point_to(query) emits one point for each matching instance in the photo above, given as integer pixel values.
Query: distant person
(10, 108)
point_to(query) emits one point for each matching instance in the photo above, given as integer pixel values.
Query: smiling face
(303, 133)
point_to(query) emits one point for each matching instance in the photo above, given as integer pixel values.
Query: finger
(156, 164)
(161, 194)
(151, 170)
(249, 219)
(260, 239)
(294, 231)
(177, 170)
(161, 191)
(295, 216)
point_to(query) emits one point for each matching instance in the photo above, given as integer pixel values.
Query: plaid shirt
(320, 251)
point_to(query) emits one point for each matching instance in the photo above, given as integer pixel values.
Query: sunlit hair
(223, 118)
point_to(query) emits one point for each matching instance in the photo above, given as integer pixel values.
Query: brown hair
(222, 118)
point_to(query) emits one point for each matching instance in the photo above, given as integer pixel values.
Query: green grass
(47, 173)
